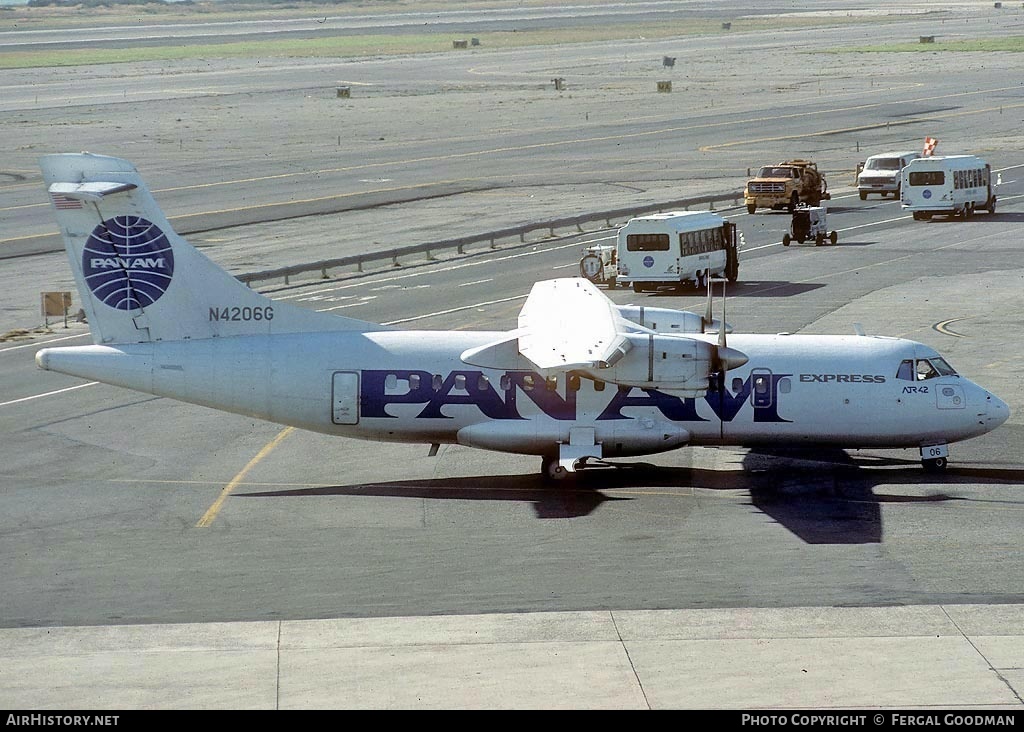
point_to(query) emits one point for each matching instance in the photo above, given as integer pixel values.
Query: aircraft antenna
(709, 313)
(721, 327)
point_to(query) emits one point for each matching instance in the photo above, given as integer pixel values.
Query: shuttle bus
(951, 185)
(670, 249)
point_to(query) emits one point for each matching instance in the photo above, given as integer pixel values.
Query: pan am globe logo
(128, 262)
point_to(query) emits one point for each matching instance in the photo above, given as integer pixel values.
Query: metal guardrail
(358, 261)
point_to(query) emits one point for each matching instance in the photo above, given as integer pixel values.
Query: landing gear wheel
(935, 465)
(551, 470)
(833, 237)
(786, 240)
(751, 208)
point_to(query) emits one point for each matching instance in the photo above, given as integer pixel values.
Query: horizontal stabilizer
(90, 191)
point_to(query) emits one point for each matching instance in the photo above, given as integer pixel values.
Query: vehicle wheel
(794, 201)
(786, 240)
(819, 239)
(833, 237)
(551, 470)
(918, 216)
(896, 193)
(926, 216)
(935, 465)
(992, 205)
(611, 283)
(864, 195)
(751, 208)
(733, 273)
(969, 210)
(700, 280)
(637, 287)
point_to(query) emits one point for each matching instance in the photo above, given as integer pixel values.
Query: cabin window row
(690, 242)
(528, 382)
(977, 178)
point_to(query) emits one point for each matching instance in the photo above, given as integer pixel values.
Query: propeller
(723, 358)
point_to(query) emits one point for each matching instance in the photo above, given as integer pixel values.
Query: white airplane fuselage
(411, 386)
(578, 378)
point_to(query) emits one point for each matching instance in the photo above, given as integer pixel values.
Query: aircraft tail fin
(139, 280)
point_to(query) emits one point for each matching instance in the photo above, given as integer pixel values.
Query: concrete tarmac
(300, 595)
(939, 657)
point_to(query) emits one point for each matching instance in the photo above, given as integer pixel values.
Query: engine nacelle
(655, 361)
(662, 320)
(666, 320)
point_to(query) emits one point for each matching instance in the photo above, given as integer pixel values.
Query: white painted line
(49, 393)
(37, 344)
(455, 310)
(339, 307)
(476, 282)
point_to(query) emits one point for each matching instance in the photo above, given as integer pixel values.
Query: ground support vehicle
(809, 224)
(882, 173)
(786, 185)
(600, 264)
(951, 185)
(670, 249)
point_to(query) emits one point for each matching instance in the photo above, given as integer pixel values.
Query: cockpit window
(924, 368)
(942, 367)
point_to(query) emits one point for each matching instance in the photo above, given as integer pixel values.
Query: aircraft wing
(569, 323)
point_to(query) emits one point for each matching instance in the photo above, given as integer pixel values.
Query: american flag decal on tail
(62, 203)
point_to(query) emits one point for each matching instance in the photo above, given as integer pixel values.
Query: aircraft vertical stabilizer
(141, 282)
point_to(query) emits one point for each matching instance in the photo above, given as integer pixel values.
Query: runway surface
(103, 489)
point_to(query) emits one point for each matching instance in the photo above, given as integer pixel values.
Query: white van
(953, 185)
(882, 173)
(669, 249)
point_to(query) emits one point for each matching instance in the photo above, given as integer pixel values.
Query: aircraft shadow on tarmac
(750, 288)
(549, 501)
(977, 218)
(821, 496)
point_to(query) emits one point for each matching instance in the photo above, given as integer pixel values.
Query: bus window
(927, 178)
(647, 242)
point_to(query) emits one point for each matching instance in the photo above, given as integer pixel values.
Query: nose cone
(998, 411)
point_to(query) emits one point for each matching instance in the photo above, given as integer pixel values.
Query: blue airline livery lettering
(475, 389)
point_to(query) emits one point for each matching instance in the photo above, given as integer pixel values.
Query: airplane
(579, 380)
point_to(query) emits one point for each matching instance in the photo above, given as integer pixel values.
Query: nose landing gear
(934, 458)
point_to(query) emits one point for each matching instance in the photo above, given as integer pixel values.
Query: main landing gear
(551, 470)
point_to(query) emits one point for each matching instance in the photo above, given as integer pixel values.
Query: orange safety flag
(929, 146)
